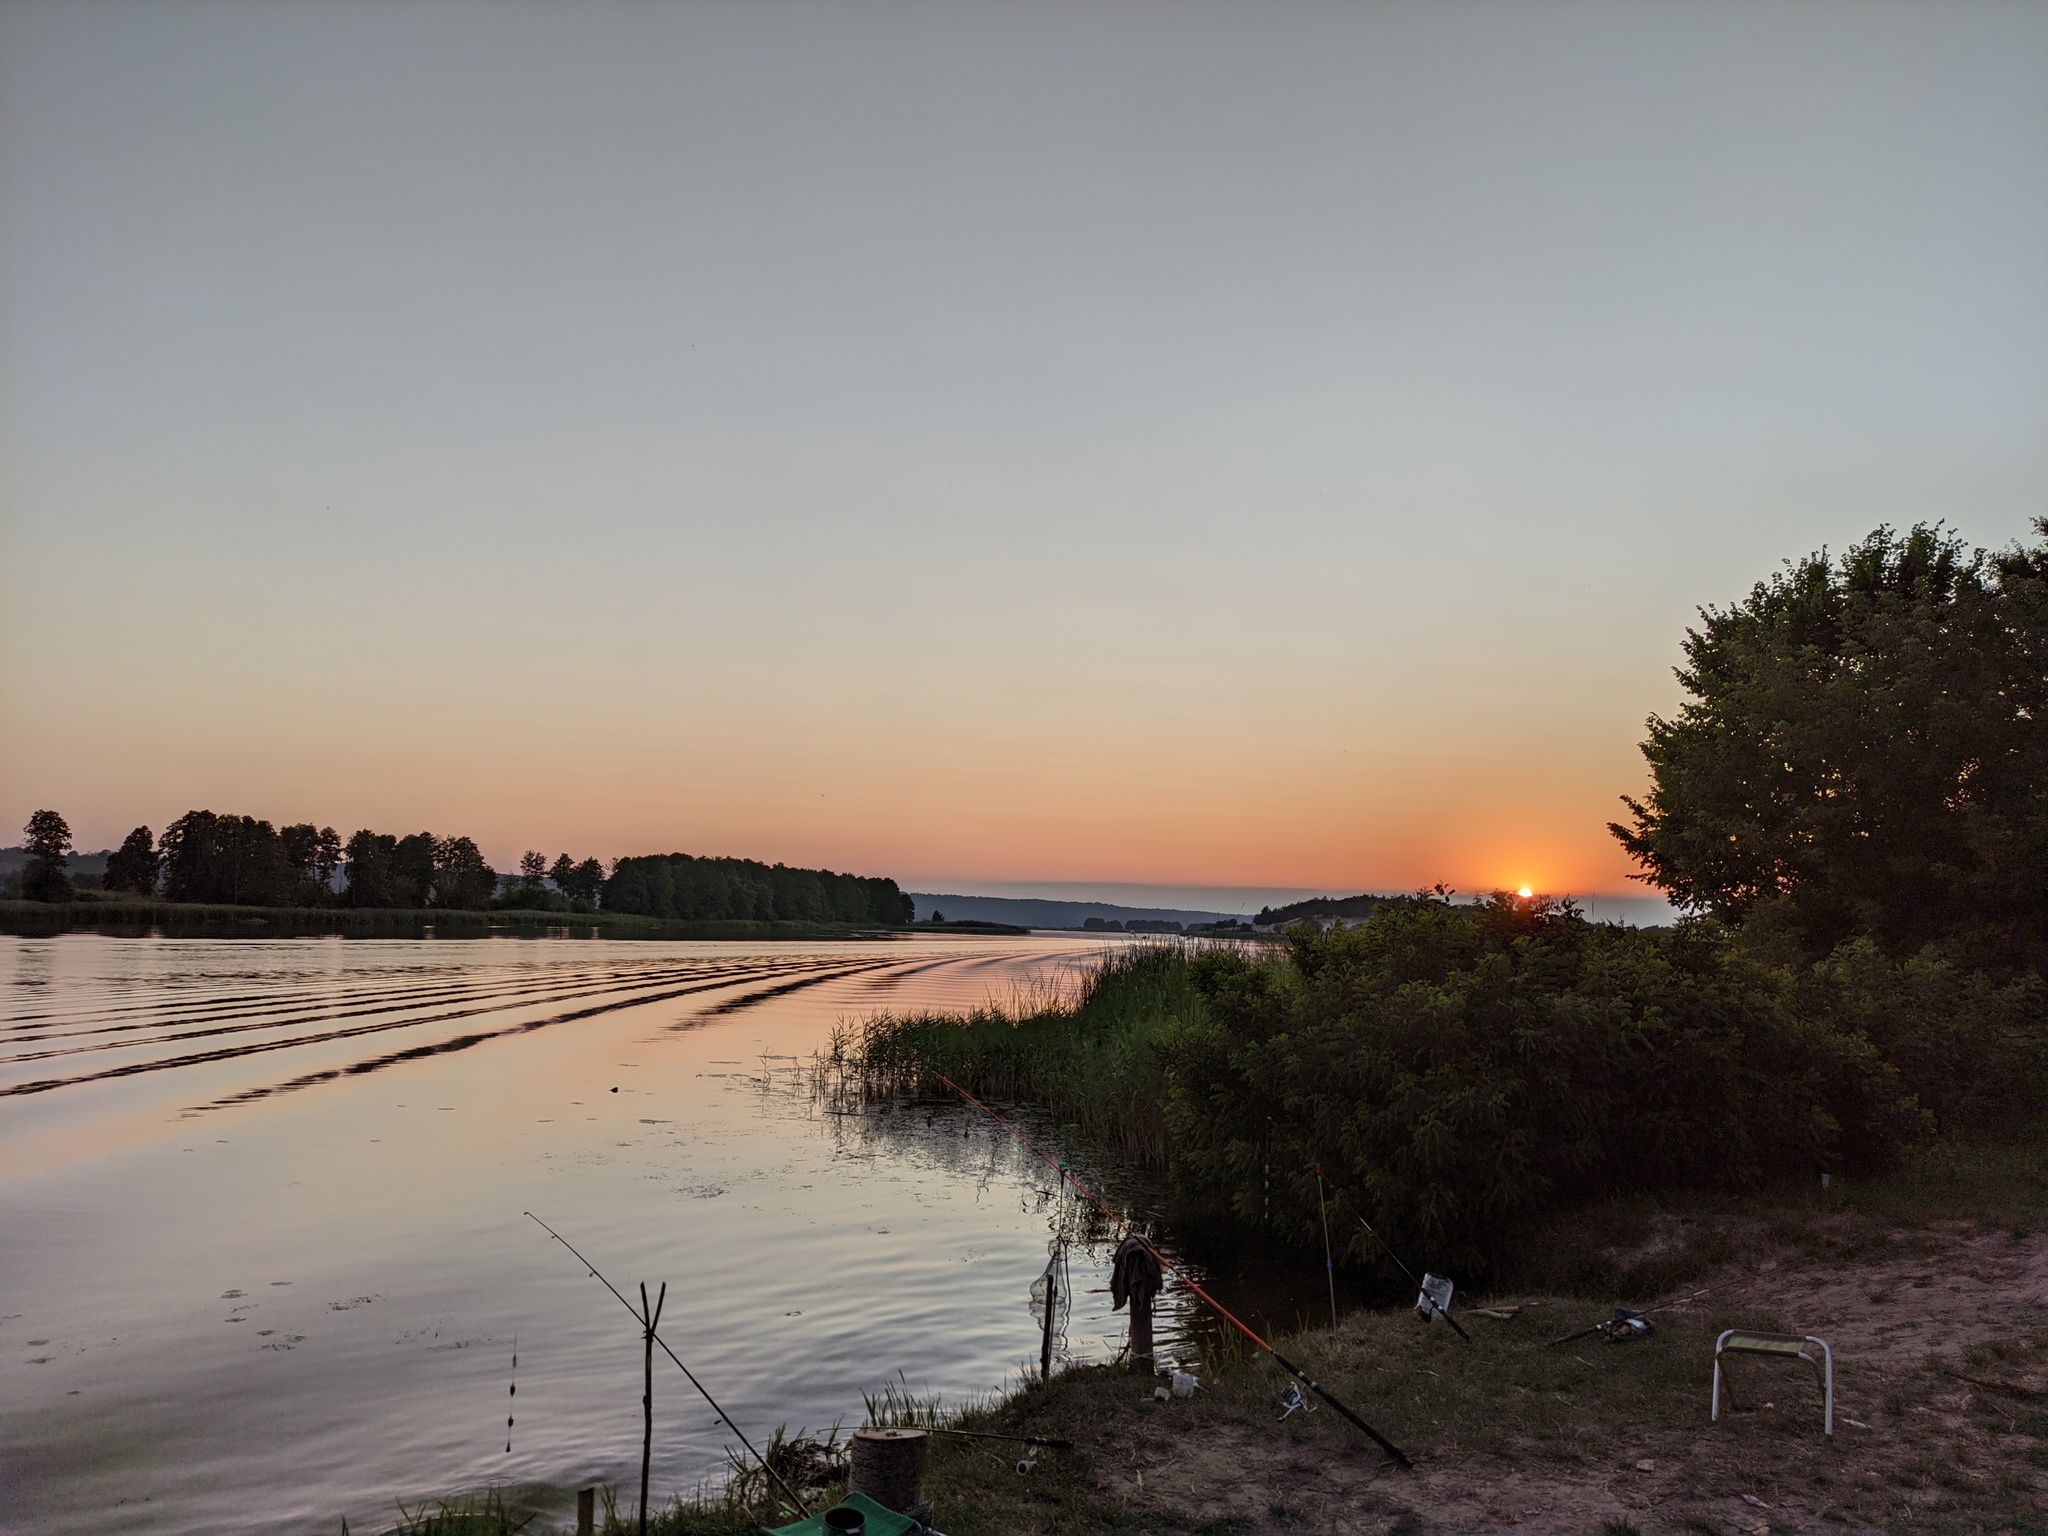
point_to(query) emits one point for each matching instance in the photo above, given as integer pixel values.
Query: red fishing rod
(1174, 1269)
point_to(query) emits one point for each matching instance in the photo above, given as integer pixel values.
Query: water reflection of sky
(266, 1264)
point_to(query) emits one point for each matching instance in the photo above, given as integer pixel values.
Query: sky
(1002, 446)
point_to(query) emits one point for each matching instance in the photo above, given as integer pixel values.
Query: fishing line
(978, 1434)
(1329, 1264)
(765, 1467)
(1180, 1274)
(1389, 1252)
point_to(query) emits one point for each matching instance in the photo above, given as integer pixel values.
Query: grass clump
(748, 1498)
(490, 1513)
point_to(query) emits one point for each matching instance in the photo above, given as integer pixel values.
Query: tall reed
(1090, 1059)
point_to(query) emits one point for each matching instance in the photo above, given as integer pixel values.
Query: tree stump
(888, 1466)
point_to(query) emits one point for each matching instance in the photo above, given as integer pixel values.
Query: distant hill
(14, 860)
(1631, 910)
(1030, 912)
(1349, 908)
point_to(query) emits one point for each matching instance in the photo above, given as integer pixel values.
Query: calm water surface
(265, 1264)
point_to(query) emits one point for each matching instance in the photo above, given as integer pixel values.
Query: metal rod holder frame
(1783, 1347)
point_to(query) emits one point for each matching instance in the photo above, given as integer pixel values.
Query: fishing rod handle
(1316, 1387)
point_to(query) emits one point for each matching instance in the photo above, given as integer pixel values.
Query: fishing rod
(1440, 1311)
(1623, 1323)
(1174, 1269)
(657, 1338)
(978, 1434)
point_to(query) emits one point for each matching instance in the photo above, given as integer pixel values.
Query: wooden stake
(586, 1512)
(1141, 1331)
(651, 1320)
(1052, 1299)
(688, 1375)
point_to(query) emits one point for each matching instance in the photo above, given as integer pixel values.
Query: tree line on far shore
(681, 886)
(231, 860)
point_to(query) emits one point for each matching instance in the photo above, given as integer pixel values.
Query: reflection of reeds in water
(1083, 1050)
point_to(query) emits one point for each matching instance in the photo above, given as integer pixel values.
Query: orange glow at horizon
(898, 492)
(932, 799)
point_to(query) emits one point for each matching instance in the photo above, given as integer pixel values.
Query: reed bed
(1087, 1056)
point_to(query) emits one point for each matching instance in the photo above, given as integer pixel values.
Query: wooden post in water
(586, 1512)
(650, 1320)
(1052, 1300)
(1135, 1277)
(1141, 1333)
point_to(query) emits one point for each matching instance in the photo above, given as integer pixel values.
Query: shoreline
(198, 920)
(1928, 1284)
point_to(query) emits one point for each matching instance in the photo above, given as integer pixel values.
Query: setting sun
(1525, 893)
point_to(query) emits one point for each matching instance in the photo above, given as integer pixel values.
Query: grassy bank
(1926, 1282)
(196, 920)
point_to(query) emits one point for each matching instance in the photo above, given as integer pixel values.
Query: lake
(266, 1264)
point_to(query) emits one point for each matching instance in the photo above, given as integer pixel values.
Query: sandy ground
(1941, 1423)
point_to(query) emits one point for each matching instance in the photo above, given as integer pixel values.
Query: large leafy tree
(313, 855)
(372, 881)
(462, 878)
(577, 881)
(416, 871)
(134, 865)
(234, 859)
(1864, 751)
(585, 880)
(47, 837)
(412, 863)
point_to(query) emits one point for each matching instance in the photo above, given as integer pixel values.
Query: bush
(1460, 1070)
(1968, 1046)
